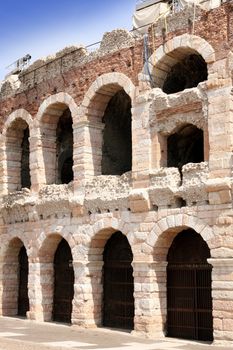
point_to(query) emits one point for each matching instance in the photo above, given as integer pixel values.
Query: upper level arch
(59, 100)
(180, 63)
(102, 90)
(16, 135)
(107, 106)
(18, 114)
(55, 119)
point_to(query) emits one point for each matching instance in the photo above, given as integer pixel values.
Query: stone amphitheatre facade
(116, 182)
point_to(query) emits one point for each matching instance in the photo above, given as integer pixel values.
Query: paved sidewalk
(18, 334)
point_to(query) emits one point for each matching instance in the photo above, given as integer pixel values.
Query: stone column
(35, 285)
(141, 154)
(220, 130)
(37, 162)
(3, 166)
(40, 286)
(87, 152)
(222, 294)
(9, 288)
(88, 292)
(150, 298)
(141, 141)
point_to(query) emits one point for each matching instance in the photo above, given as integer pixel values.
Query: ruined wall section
(72, 70)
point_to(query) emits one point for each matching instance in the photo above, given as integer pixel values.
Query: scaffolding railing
(19, 65)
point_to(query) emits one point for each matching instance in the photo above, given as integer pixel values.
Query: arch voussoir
(176, 223)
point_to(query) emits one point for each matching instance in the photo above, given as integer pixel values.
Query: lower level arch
(15, 300)
(189, 300)
(118, 283)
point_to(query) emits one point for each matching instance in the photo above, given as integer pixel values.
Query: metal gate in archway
(189, 300)
(63, 283)
(118, 303)
(23, 300)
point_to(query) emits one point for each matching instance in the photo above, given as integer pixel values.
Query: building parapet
(68, 58)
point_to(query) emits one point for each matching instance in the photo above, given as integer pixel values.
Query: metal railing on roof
(19, 65)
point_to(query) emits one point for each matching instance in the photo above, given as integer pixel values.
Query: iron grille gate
(189, 302)
(118, 305)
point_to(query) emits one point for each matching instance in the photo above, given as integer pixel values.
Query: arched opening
(15, 300)
(65, 148)
(118, 283)
(57, 142)
(63, 283)
(17, 156)
(23, 301)
(185, 146)
(189, 301)
(186, 73)
(25, 169)
(117, 140)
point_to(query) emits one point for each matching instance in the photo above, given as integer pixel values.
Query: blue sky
(42, 27)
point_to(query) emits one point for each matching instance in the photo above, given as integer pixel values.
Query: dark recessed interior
(117, 140)
(185, 146)
(65, 148)
(25, 169)
(186, 74)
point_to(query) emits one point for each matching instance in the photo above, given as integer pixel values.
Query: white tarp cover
(207, 5)
(149, 15)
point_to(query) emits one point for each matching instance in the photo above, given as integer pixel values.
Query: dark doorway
(117, 140)
(63, 283)
(25, 169)
(118, 306)
(65, 148)
(23, 300)
(189, 301)
(185, 74)
(185, 146)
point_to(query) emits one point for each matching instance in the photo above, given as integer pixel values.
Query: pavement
(21, 334)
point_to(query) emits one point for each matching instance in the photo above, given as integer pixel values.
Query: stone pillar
(3, 166)
(9, 288)
(37, 162)
(35, 288)
(222, 294)
(159, 149)
(150, 298)
(141, 154)
(88, 292)
(87, 152)
(40, 287)
(220, 130)
(141, 141)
